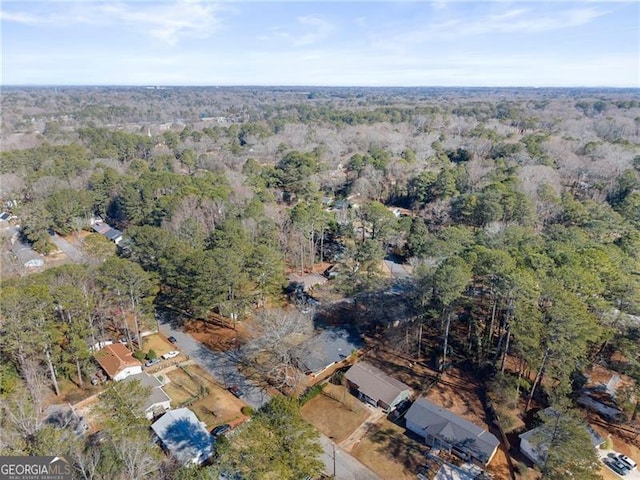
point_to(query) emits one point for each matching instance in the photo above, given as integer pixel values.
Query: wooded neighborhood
(305, 283)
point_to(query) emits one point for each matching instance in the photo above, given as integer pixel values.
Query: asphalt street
(221, 365)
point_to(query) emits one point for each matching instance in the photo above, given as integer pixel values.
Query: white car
(171, 354)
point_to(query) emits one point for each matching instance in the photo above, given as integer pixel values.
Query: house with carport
(375, 387)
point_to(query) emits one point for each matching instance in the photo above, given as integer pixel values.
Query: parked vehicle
(173, 339)
(626, 461)
(151, 363)
(235, 390)
(171, 354)
(220, 429)
(617, 466)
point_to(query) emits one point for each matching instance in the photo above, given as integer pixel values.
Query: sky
(330, 43)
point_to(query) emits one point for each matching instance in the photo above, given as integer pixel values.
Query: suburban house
(375, 387)
(534, 443)
(158, 402)
(184, 436)
(328, 348)
(444, 430)
(117, 361)
(107, 231)
(601, 390)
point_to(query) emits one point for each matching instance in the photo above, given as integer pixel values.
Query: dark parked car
(617, 467)
(172, 339)
(220, 429)
(236, 391)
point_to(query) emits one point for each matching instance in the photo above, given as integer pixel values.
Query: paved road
(346, 467)
(221, 365)
(74, 253)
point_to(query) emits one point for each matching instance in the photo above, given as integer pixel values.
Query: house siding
(127, 372)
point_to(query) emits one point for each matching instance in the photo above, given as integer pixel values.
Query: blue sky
(381, 43)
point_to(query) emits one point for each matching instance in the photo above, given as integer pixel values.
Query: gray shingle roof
(329, 346)
(374, 383)
(184, 436)
(157, 395)
(461, 433)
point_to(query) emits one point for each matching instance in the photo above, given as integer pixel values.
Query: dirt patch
(389, 452)
(217, 334)
(402, 367)
(337, 415)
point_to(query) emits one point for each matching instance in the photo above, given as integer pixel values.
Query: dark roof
(441, 423)
(113, 234)
(374, 383)
(329, 346)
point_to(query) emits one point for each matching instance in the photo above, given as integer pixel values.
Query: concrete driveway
(74, 253)
(631, 475)
(220, 365)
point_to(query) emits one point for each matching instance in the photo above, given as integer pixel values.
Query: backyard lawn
(218, 406)
(336, 419)
(157, 343)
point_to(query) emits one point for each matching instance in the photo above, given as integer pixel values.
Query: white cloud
(308, 30)
(521, 20)
(167, 21)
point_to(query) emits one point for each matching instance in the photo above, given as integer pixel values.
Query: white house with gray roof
(442, 429)
(376, 387)
(158, 401)
(184, 436)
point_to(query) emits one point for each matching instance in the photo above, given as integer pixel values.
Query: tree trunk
(52, 372)
(420, 341)
(506, 351)
(446, 341)
(80, 382)
(538, 378)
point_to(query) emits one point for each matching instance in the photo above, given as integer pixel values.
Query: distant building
(184, 436)
(445, 430)
(117, 361)
(106, 230)
(158, 401)
(25, 255)
(375, 387)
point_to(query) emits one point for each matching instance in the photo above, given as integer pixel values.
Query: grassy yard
(217, 407)
(389, 452)
(336, 419)
(157, 343)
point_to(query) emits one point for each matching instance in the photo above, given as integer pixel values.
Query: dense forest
(516, 210)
